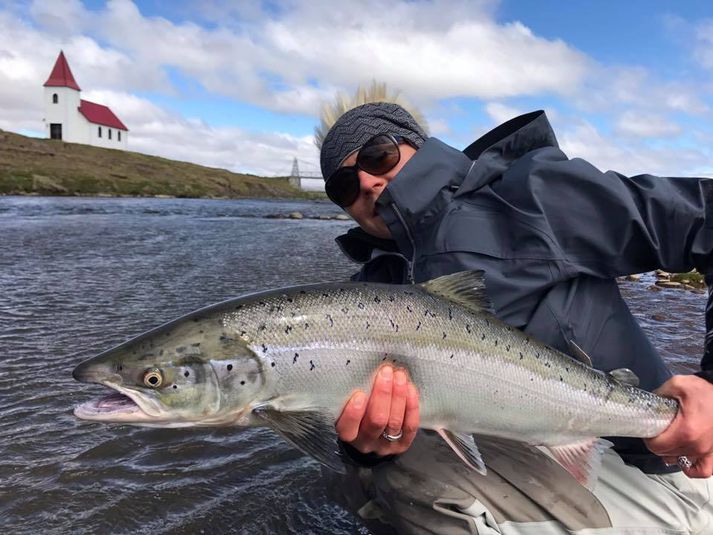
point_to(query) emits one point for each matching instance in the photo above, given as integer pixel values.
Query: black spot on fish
(482, 336)
(242, 333)
(547, 364)
(467, 327)
(537, 355)
(174, 386)
(409, 308)
(311, 366)
(348, 361)
(391, 299)
(290, 300)
(376, 299)
(238, 307)
(230, 367)
(367, 325)
(331, 321)
(418, 326)
(561, 379)
(345, 310)
(294, 359)
(521, 357)
(264, 348)
(262, 327)
(262, 303)
(306, 326)
(452, 355)
(186, 373)
(197, 344)
(450, 313)
(487, 322)
(444, 336)
(507, 348)
(496, 342)
(120, 367)
(302, 292)
(325, 294)
(272, 364)
(527, 340)
(288, 329)
(201, 331)
(242, 382)
(361, 306)
(160, 352)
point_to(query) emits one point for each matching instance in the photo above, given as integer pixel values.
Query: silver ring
(684, 463)
(393, 438)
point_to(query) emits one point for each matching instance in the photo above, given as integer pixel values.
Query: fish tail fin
(582, 459)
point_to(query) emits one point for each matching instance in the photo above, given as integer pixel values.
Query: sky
(239, 85)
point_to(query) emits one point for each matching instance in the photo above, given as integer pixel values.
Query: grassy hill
(31, 166)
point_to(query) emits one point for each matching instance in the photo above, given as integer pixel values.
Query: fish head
(183, 374)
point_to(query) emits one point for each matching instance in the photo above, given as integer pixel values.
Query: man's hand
(392, 408)
(691, 432)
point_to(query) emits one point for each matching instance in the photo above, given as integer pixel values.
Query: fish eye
(153, 378)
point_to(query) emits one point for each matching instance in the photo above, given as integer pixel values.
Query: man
(551, 235)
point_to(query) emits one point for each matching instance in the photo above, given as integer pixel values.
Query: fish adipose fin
(625, 376)
(310, 431)
(466, 288)
(582, 459)
(464, 446)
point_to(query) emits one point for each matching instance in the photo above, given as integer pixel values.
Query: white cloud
(580, 139)
(651, 125)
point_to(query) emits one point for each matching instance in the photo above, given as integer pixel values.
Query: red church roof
(61, 75)
(98, 114)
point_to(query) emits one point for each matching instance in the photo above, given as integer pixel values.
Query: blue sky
(627, 85)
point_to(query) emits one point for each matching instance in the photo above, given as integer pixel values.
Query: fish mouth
(119, 406)
(114, 405)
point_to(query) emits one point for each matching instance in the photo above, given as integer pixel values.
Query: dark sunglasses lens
(342, 188)
(380, 155)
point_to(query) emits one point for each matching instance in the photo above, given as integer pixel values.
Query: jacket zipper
(411, 278)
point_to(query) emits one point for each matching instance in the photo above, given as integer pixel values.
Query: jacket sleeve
(608, 224)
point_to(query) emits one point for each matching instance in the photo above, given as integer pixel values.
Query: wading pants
(428, 490)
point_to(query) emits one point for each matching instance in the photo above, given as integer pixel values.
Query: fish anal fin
(582, 459)
(311, 431)
(466, 288)
(464, 446)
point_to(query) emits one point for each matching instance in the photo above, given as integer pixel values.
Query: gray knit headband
(359, 125)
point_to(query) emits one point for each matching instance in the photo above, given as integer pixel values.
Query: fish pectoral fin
(582, 459)
(466, 288)
(310, 431)
(464, 446)
(625, 376)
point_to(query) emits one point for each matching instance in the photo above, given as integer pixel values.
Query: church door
(55, 131)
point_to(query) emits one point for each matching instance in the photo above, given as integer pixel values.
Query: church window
(99, 131)
(108, 133)
(55, 99)
(118, 135)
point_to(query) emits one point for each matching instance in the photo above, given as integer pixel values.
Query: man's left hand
(691, 432)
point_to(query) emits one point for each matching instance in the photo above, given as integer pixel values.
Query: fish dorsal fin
(464, 446)
(626, 376)
(467, 288)
(578, 353)
(311, 431)
(582, 459)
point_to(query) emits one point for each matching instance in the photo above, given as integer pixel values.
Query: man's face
(364, 210)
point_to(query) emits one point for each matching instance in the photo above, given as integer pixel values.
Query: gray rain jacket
(551, 234)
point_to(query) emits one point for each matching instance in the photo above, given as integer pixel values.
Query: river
(79, 275)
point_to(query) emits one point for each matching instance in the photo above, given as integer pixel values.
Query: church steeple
(61, 75)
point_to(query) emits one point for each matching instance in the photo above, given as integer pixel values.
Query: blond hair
(376, 92)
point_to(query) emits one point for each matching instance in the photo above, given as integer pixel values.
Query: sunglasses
(377, 156)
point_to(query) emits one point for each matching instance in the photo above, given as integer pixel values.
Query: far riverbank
(48, 167)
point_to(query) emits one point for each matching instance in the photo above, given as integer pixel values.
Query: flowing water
(79, 275)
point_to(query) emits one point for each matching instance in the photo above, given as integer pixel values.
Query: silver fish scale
(320, 343)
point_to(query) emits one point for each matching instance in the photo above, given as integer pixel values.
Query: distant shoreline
(47, 167)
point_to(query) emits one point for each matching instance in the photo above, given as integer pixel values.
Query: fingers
(392, 408)
(378, 409)
(702, 468)
(349, 421)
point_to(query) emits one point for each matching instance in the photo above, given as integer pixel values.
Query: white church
(69, 118)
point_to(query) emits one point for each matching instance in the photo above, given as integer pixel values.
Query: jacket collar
(437, 173)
